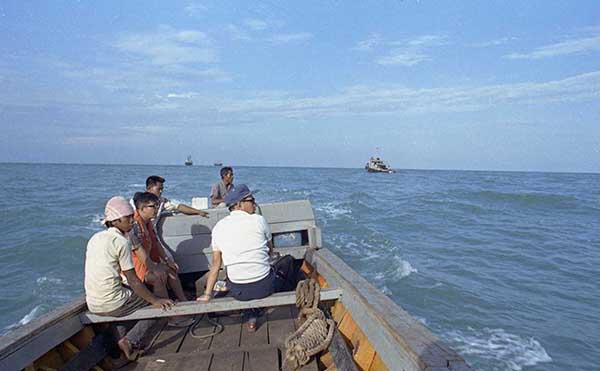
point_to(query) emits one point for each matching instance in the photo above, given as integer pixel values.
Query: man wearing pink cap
(108, 254)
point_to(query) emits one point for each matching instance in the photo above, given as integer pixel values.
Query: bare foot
(127, 349)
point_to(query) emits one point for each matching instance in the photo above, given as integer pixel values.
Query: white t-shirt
(242, 239)
(108, 253)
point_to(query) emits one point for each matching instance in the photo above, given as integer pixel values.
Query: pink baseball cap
(117, 207)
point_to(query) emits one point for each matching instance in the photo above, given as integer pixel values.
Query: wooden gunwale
(397, 337)
(27, 343)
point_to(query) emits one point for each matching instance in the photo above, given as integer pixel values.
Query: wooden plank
(176, 363)
(230, 337)
(398, 338)
(228, 361)
(266, 360)
(191, 344)
(92, 354)
(168, 341)
(215, 305)
(281, 325)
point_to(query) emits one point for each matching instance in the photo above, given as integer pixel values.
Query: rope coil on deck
(315, 334)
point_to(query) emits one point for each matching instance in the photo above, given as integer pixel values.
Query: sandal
(251, 324)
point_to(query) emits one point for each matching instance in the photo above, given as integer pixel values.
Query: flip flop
(251, 324)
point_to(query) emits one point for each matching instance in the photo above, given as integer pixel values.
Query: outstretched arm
(187, 210)
(213, 274)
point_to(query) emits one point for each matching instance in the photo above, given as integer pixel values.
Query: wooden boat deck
(232, 349)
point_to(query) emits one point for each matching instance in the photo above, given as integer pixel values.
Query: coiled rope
(315, 334)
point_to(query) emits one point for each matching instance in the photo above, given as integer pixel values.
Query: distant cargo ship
(189, 161)
(218, 164)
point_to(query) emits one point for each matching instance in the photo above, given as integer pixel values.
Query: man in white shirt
(242, 242)
(155, 185)
(108, 255)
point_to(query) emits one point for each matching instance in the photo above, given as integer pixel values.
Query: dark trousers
(281, 278)
(253, 290)
(132, 330)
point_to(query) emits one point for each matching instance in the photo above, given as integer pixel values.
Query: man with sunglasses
(242, 242)
(152, 265)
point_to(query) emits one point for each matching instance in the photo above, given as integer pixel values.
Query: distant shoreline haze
(400, 169)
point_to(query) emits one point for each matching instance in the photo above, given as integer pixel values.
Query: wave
(333, 210)
(44, 280)
(35, 312)
(524, 198)
(509, 351)
(397, 270)
(94, 224)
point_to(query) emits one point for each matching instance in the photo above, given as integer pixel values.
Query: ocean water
(503, 266)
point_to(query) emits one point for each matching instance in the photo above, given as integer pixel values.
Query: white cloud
(403, 53)
(365, 100)
(403, 57)
(194, 9)
(148, 129)
(428, 40)
(169, 46)
(237, 33)
(495, 42)
(181, 95)
(369, 43)
(574, 46)
(256, 24)
(291, 37)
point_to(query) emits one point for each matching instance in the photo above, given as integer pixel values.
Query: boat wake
(34, 313)
(509, 351)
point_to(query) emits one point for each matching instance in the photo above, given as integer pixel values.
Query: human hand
(164, 304)
(205, 214)
(204, 298)
(174, 266)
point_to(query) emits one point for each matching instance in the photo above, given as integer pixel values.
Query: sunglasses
(249, 200)
(154, 206)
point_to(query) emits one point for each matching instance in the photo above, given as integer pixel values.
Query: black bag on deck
(285, 273)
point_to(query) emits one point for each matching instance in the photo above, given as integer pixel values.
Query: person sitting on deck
(219, 190)
(155, 185)
(242, 241)
(152, 265)
(108, 254)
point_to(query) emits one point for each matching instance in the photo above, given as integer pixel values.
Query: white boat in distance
(376, 165)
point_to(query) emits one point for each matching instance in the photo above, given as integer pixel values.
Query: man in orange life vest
(152, 265)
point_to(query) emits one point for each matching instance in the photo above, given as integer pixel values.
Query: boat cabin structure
(376, 165)
(371, 331)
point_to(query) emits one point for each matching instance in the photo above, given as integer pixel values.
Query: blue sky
(496, 85)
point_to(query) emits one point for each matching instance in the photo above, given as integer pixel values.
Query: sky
(478, 85)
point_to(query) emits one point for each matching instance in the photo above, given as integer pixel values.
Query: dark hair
(225, 170)
(153, 179)
(141, 199)
(109, 224)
